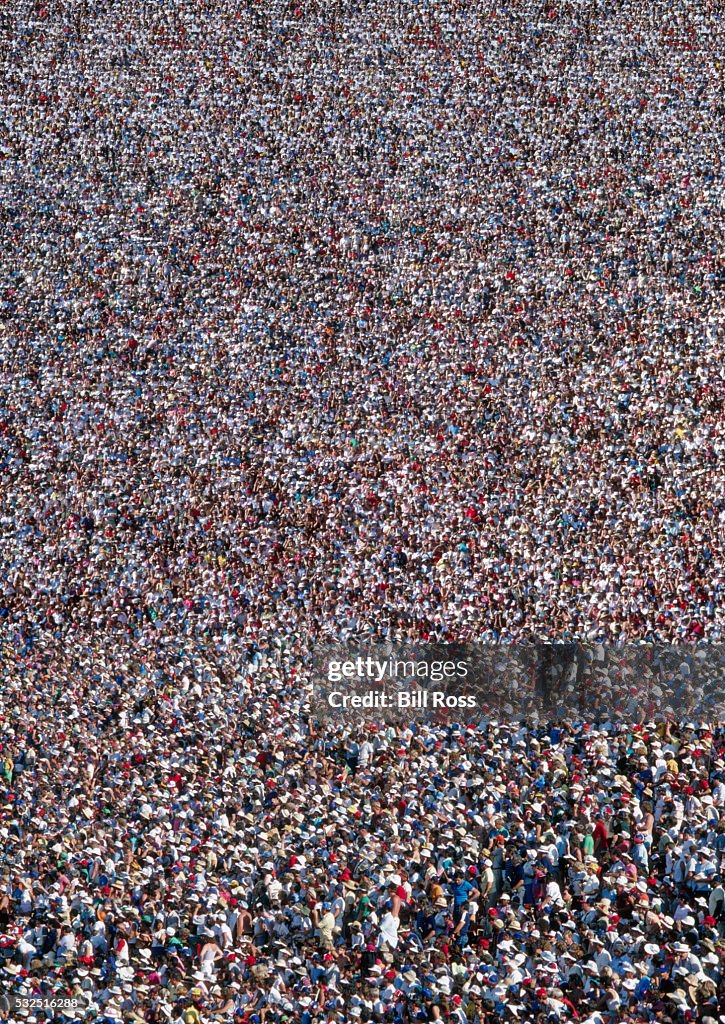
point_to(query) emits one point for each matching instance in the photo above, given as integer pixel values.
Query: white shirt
(389, 929)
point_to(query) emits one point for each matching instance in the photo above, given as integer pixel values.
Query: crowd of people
(357, 321)
(351, 319)
(204, 850)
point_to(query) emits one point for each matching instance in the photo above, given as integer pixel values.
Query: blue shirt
(461, 892)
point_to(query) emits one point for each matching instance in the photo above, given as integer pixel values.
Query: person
(225, 1005)
(326, 928)
(191, 1015)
